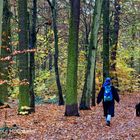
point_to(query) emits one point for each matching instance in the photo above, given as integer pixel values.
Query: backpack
(108, 94)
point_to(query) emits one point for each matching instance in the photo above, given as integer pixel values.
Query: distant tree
(53, 6)
(106, 44)
(86, 19)
(24, 94)
(5, 51)
(72, 63)
(89, 85)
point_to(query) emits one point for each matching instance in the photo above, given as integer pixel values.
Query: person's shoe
(108, 123)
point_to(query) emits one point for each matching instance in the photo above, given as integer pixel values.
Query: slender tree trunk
(132, 58)
(1, 14)
(54, 17)
(32, 58)
(115, 44)
(50, 60)
(89, 86)
(24, 94)
(105, 39)
(87, 45)
(93, 103)
(5, 51)
(72, 64)
(86, 26)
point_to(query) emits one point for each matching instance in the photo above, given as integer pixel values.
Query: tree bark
(24, 94)
(93, 103)
(5, 51)
(72, 62)
(89, 86)
(1, 15)
(115, 44)
(32, 57)
(106, 44)
(59, 87)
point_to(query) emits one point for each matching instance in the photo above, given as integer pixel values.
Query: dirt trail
(49, 123)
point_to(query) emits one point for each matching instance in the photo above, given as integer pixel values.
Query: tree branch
(50, 4)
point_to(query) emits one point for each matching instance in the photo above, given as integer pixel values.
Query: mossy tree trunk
(32, 43)
(24, 95)
(72, 63)
(5, 51)
(114, 43)
(106, 44)
(53, 6)
(89, 86)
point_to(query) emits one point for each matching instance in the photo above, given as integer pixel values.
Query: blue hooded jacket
(108, 106)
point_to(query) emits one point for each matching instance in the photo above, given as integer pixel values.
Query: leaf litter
(49, 123)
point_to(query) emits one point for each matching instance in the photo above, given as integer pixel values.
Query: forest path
(49, 123)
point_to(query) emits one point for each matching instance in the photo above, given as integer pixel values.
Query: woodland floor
(49, 123)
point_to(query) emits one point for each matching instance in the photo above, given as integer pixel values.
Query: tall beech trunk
(106, 5)
(72, 64)
(115, 43)
(89, 86)
(5, 51)
(32, 57)
(24, 94)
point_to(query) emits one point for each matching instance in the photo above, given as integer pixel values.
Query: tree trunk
(50, 60)
(72, 64)
(93, 103)
(24, 94)
(89, 86)
(132, 58)
(1, 14)
(87, 29)
(105, 39)
(115, 43)
(32, 58)
(5, 51)
(54, 17)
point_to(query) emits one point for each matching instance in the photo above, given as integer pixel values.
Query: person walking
(108, 94)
